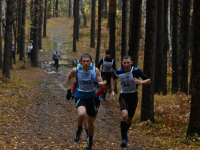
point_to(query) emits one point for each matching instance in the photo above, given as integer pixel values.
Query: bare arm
(69, 76)
(144, 82)
(101, 83)
(112, 88)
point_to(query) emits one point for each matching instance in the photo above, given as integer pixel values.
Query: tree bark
(99, 34)
(19, 40)
(186, 41)
(3, 17)
(159, 48)
(69, 8)
(92, 42)
(49, 10)
(169, 33)
(194, 122)
(124, 29)
(147, 108)
(8, 39)
(31, 19)
(45, 19)
(75, 24)
(134, 41)
(56, 11)
(78, 20)
(1, 62)
(34, 56)
(175, 48)
(40, 24)
(83, 13)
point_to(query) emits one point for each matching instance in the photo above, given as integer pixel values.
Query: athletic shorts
(106, 76)
(89, 104)
(128, 102)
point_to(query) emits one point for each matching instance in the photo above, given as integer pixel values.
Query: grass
(52, 83)
(65, 85)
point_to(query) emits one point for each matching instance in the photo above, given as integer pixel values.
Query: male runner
(86, 77)
(108, 65)
(55, 58)
(128, 99)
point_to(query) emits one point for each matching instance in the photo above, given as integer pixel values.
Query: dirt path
(50, 120)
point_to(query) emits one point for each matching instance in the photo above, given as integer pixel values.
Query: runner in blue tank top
(128, 99)
(87, 77)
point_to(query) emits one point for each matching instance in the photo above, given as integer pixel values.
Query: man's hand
(137, 81)
(94, 79)
(69, 94)
(112, 95)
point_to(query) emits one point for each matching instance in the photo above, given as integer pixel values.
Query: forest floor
(49, 121)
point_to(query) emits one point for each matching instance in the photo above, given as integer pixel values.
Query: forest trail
(50, 121)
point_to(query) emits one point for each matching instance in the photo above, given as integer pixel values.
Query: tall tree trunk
(22, 50)
(105, 3)
(159, 48)
(8, 39)
(92, 42)
(175, 48)
(19, 40)
(99, 34)
(1, 62)
(78, 20)
(75, 24)
(144, 1)
(34, 56)
(112, 15)
(147, 108)
(194, 122)
(69, 8)
(124, 29)
(83, 13)
(56, 11)
(40, 24)
(3, 17)
(45, 19)
(169, 33)
(186, 42)
(130, 21)
(31, 19)
(166, 48)
(49, 10)
(134, 41)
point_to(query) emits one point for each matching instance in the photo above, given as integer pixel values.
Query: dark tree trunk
(1, 62)
(134, 41)
(159, 48)
(56, 11)
(166, 48)
(32, 19)
(69, 8)
(40, 24)
(194, 122)
(45, 19)
(78, 20)
(34, 56)
(23, 30)
(185, 45)
(92, 43)
(147, 108)
(49, 10)
(124, 29)
(75, 24)
(130, 20)
(19, 40)
(175, 48)
(112, 15)
(8, 39)
(83, 13)
(106, 10)
(99, 35)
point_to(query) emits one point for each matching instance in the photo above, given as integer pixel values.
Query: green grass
(38, 83)
(52, 83)
(65, 85)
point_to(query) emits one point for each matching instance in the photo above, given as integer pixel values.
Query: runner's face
(127, 64)
(86, 62)
(107, 55)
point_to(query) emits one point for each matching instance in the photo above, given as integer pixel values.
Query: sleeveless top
(127, 83)
(85, 86)
(56, 55)
(76, 63)
(107, 66)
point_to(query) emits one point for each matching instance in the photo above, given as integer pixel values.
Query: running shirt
(126, 79)
(30, 48)
(75, 63)
(107, 65)
(13, 48)
(56, 55)
(85, 86)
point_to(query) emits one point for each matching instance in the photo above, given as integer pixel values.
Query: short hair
(86, 55)
(126, 57)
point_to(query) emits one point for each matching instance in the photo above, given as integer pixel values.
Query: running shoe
(77, 136)
(87, 138)
(89, 145)
(123, 143)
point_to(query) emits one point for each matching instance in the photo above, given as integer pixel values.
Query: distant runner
(55, 58)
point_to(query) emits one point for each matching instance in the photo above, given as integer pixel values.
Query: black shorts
(128, 102)
(89, 104)
(106, 76)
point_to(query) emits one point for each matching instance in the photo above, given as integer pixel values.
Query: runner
(13, 51)
(55, 58)
(128, 99)
(30, 47)
(108, 65)
(87, 77)
(75, 62)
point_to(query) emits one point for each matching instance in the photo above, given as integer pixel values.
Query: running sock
(123, 129)
(79, 128)
(90, 138)
(86, 130)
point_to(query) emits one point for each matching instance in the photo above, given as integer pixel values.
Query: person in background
(13, 51)
(75, 62)
(30, 47)
(55, 58)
